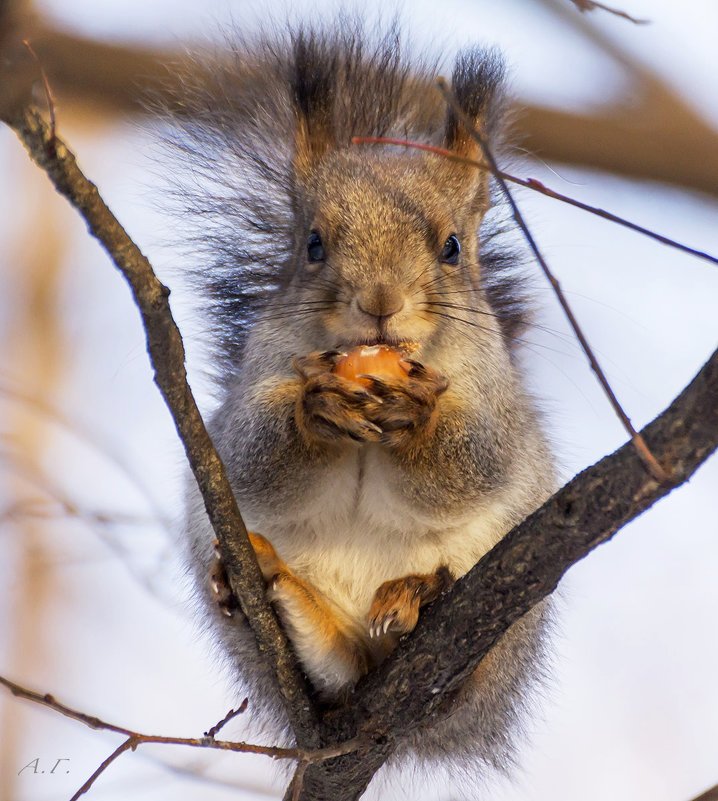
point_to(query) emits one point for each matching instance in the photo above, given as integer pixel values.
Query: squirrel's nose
(380, 301)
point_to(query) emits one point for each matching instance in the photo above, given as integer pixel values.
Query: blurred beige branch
(590, 5)
(39, 356)
(659, 138)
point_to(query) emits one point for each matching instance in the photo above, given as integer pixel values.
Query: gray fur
(487, 454)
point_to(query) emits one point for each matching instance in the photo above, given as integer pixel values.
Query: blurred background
(92, 597)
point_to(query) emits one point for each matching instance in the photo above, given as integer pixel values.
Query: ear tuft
(477, 83)
(313, 82)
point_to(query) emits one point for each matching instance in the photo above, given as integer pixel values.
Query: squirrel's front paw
(396, 603)
(408, 409)
(331, 409)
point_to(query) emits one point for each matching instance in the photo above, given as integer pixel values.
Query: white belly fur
(359, 533)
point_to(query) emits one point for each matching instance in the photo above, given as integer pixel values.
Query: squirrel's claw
(219, 585)
(395, 609)
(332, 409)
(396, 604)
(408, 408)
(315, 363)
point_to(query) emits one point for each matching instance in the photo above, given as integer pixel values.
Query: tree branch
(657, 136)
(709, 795)
(458, 630)
(166, 351)
(454, 635)
(134, 738)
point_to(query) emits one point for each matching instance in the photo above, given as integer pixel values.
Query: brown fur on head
(373, 226)
(270, 141)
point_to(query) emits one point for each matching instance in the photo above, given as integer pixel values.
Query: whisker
(426, 269)
(474, 324)
(538, 326)
(290, 314)
(445, 274)
(291, 304)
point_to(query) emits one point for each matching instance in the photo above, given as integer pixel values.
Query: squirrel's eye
(315, 248)
(450, 251)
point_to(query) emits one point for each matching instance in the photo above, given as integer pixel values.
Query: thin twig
(298, 780)
(129, 744)
(225, 720)
(134, 738)
(538, 186)
(591, 5)
(48, 93)
(657, 471)
(93, 439)
(166, 351)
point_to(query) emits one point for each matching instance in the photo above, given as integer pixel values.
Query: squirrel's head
(386, 242)
(346, 243)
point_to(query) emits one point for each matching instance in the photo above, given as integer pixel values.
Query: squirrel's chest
(361, 492)
(359, 531)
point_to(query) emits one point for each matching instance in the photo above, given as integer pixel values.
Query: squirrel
(367, 501)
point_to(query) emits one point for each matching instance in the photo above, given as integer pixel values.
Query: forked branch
(134, 739)
(457, 632)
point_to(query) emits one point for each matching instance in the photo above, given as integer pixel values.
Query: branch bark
(455, 633)
(166, 352)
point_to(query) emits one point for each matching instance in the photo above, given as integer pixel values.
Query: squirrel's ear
(477, 83)
(313, 86)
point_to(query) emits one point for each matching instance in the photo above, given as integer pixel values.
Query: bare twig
(590, 5)
(649, 459)
(134, 739)
(92, 438)
(225, 720)
(48, 92)
(538, 186)
(297, 784)
(166, 351)
(129, 744)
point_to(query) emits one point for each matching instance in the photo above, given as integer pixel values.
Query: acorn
(380, 361)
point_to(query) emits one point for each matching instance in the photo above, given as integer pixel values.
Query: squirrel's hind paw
(269, 563)
(222, 593)
(396, 603)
